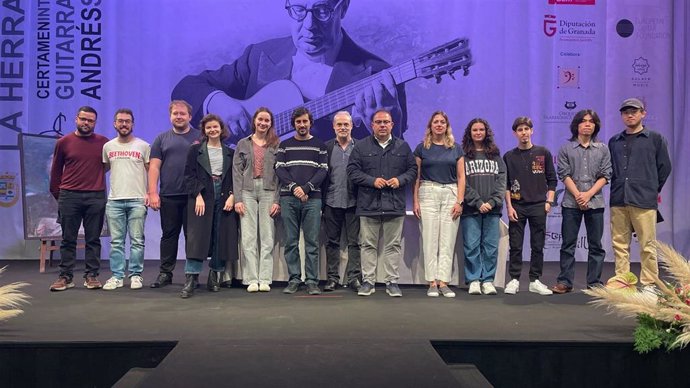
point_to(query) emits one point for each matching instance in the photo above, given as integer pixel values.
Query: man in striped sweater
(301, 166)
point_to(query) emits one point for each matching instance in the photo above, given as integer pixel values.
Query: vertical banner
(639, 64)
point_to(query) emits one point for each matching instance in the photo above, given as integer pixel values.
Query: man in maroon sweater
(77, 181)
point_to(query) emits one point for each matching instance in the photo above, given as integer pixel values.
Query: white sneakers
(539, 288)
(488, 288)
(512, 287)
(253, 287)
(136, 282)
(475, 288)
(113, 283)
(264, 287)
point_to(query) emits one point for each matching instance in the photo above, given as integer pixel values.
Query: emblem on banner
(640, 65)
(8, 189)
(570, 105)
(568, 77)
(550, 25)
(625, 28)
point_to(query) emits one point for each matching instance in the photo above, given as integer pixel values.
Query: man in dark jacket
(641, 165)
(381, 166)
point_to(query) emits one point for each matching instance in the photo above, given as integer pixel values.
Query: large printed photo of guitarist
(318, 66)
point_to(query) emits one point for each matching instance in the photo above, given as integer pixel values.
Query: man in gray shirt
(584, 166)
(340, 205)
(168, 158)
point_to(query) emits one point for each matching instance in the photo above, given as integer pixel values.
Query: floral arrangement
(11, 298)
(663, 316)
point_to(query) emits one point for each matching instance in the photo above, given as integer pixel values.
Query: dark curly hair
(490, 148)
(224, 133)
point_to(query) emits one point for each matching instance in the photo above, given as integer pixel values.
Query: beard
(85, 130)
(124, 132)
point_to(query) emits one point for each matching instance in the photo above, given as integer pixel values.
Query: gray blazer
(243, 166)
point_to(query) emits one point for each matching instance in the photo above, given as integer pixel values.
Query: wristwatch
(550, 202)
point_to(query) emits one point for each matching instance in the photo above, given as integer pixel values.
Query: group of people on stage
(357, 187)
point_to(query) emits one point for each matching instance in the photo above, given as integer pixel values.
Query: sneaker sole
(432, 294)
(360, 293)
(92, 287)
(393, 295)
(68, 286)
(449, 295)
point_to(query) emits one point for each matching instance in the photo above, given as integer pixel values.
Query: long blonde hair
(449, 141)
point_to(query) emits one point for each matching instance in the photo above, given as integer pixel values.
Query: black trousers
(334, 219)
(173, 220)
(75, 207)
(535, 215)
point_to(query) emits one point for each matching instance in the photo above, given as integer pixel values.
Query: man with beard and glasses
(77, 181)
(301, 166)
(127, 158)
(167, 163)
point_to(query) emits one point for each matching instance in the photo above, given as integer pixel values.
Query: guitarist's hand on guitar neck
(380, 94)
(234, 114)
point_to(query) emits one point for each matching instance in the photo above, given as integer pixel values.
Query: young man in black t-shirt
(530, 194)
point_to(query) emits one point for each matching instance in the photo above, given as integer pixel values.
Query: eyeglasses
(382, 122)
(322, 11)
(630, 111)
(123, 121)
(86, 120)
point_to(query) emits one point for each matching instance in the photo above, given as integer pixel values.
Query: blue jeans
(480, 239)
(570, 227)
(126, 216)
(306, 215)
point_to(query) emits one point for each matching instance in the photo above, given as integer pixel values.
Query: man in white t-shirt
(127, 158)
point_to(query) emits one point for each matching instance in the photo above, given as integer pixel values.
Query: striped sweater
(301, 163)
